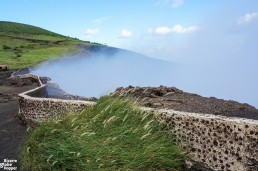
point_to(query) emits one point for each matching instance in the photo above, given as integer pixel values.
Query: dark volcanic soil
(11, 131)
(173, 98)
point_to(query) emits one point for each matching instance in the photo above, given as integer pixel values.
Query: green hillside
(23, 45)
(17, 28)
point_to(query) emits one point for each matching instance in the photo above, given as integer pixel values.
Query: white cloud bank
(248, 17)
(90, 32)
(126, 33)
(163, 30)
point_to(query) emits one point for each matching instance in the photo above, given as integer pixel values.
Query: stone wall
(222, 143)
(38, 92)
(37, 109)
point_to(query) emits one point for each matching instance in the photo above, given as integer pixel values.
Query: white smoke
(104, 69)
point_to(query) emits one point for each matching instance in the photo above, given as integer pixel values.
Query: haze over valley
(105, 69)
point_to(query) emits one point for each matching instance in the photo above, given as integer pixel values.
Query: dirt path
(12, 133)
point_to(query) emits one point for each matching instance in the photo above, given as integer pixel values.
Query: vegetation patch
(24, 45)
(112, 135)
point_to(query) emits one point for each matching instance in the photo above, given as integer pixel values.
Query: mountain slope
(18, 28)
(23, 45)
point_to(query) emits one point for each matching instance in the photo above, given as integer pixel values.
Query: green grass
(112, 135)
(29, 45)
(32, 57)
(20, 28)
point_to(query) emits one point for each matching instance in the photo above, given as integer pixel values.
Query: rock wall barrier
(37, 109)
(218, 142)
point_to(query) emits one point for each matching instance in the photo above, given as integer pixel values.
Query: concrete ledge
(220, 142)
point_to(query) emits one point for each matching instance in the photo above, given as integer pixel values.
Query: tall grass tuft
(112, 135)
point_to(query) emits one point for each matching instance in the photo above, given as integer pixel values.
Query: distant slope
(18, 28)
(23, 45)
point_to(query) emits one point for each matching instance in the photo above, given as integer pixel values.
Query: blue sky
(218, 37)
(152, 27)
(163, 29)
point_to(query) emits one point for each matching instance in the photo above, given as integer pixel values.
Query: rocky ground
(55, 92)
(173, 98)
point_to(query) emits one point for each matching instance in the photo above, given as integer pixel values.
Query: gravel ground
(173, 98)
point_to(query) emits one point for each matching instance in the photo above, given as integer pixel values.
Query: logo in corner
(1, 165)
(8, 164)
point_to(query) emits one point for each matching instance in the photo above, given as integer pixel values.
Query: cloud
(177, 3)
(248, 17)
(100, 20)
(126, 33)
(163, 30)
(90, 32)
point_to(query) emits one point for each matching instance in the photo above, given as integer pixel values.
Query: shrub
(112, 135)
(6, 47)
(18, 55)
